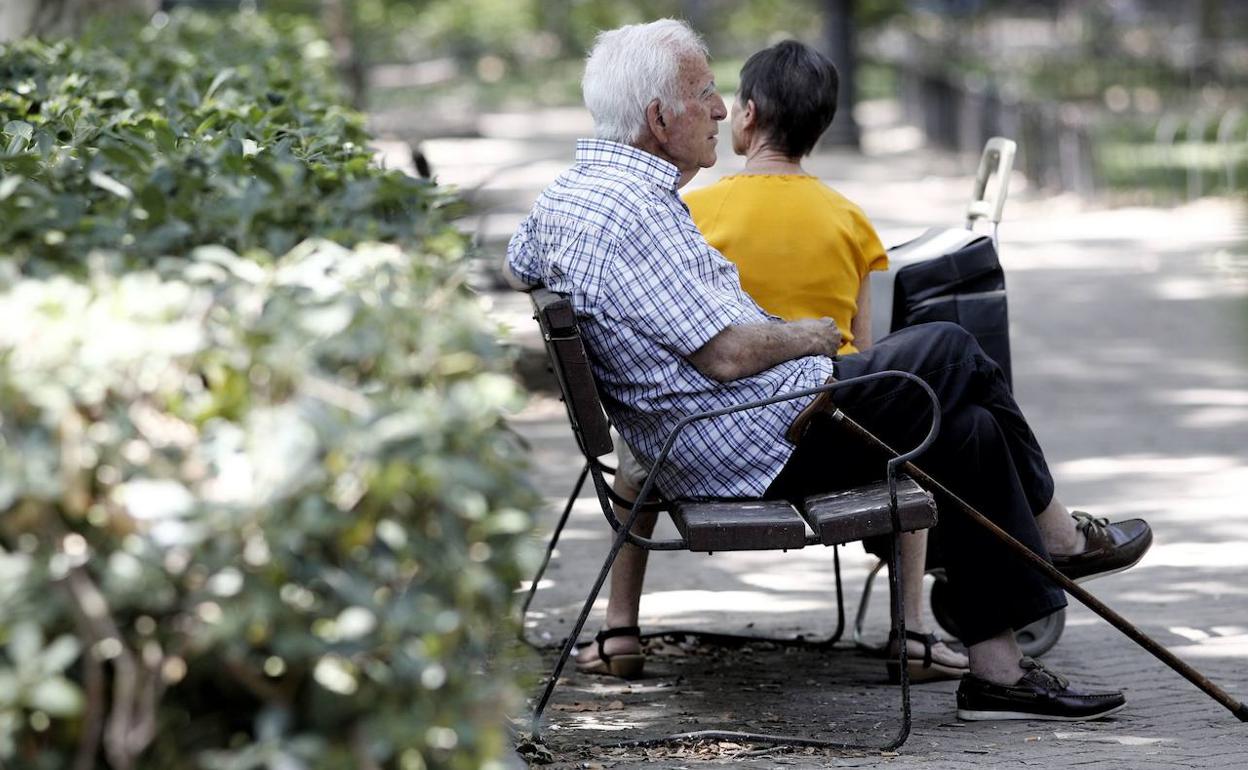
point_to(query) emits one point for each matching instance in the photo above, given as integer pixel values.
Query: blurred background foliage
(522, 31)
(1135, 98)
(1139, 99)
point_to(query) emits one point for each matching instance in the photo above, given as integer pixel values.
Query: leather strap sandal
(925, 669)
(624, 665)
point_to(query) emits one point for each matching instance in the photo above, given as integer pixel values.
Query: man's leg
(993, 592)
(974, 456)
(952, 362)
(991, 589)
(1057, 527)
(996, 658)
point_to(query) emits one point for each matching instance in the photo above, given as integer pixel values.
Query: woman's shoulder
(706, 203)
(835, 197)
(714, 191)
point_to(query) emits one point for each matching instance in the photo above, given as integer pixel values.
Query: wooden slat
(862, 512)
(739, 526)
(556, 310)
(570, 362)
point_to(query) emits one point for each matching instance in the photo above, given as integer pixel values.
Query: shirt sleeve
(874, 257)
(662, 281)
(522, 254)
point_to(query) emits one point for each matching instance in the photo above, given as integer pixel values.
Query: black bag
(965, 285)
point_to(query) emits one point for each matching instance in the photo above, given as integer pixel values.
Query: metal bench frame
(590, 426)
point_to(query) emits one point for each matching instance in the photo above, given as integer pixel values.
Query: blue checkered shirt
(648, 291)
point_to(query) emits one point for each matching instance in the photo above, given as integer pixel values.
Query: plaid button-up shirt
(648, 291)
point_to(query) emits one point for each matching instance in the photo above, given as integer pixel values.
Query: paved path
(1130, 341)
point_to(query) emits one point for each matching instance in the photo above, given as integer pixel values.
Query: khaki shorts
(630, 469)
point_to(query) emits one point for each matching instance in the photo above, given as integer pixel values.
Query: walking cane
(1047, 569)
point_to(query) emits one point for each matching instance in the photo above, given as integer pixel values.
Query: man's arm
(513, 280)
(743, 350)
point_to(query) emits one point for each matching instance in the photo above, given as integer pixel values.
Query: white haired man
(670, 332)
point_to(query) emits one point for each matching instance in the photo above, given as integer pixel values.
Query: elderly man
(670, 332)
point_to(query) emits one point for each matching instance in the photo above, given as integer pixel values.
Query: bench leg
(863, 604)
(899, 627)
(620, 538)
(840, 598)
(550, 551)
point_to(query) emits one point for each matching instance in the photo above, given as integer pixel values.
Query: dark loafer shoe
(1040, 694)
(1111, 547)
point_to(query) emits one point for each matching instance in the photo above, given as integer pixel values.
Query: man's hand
(742, 351)
(825, 336)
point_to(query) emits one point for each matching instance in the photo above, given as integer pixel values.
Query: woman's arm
(860, 325)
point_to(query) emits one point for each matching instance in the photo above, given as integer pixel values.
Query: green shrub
(260, 507)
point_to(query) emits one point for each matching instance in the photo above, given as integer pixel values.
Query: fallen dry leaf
(576, 707)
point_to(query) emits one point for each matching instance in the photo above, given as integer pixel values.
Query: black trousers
(985, 453)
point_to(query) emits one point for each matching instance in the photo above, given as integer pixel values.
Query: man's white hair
(632, 66)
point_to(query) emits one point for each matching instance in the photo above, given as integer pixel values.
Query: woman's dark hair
(794, 89)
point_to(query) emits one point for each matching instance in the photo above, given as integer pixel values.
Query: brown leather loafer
(1111, 547)
(1039, 694)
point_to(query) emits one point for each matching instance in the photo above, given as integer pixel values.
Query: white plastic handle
(998, 156)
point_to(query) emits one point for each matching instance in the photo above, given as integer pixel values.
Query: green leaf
(60, 653)
(164, 135)
(19, 128)
(107, 183)
(56, 696)
(9, 185)
(25, 642)
(221, 79)
(21, 133)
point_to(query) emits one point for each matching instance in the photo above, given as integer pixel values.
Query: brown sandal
(923, 669)
(624, 665)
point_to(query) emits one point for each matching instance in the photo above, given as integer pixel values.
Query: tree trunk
(57, 18)
(839, 44)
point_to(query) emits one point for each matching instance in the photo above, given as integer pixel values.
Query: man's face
(692, 134)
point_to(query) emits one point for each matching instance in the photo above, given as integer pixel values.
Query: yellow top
(802, 248)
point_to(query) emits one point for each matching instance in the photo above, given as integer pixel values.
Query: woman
(803, 251)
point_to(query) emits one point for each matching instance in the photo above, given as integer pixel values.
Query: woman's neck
(764, 160)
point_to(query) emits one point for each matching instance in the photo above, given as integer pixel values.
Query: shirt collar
(600, 152)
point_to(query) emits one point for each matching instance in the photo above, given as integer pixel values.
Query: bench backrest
(570, 362)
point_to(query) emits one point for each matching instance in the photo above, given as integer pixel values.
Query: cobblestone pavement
(1130, 342)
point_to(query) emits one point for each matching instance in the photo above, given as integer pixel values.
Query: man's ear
(656, 121)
